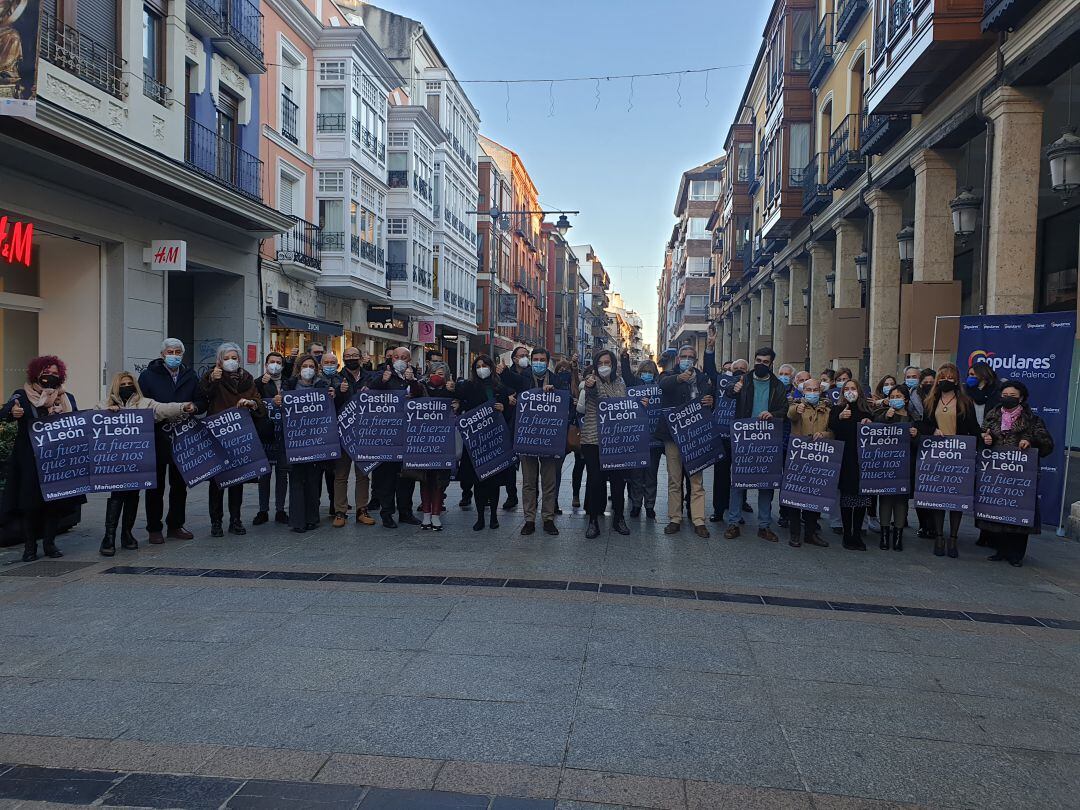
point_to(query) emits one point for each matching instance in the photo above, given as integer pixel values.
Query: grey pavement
(608, 699)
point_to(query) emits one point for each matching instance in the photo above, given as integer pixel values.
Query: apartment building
(495, 276)
(563, 320)
(599, 300)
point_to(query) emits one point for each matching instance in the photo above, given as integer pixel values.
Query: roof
(706, 171)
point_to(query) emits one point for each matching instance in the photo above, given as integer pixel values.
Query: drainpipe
(984, 239)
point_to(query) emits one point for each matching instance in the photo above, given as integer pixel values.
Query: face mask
(352, 364)
(761, 370)
(173, 361)
(400, 366)
(49, 381)
(127, 392)
(947, 386)
(851, 396)
(925, 388)
(316, 356)
(307, 374)
(911, 382)
(885, 389)
(685, 363)
(539, 368)
(523, 361)
(785, 379)
(605, 371)
(972, 381)
(1008, 403)
(273, 368)
(483, 372)
(812, 399)
(231, 366)
(647, 376)
(896, 404)
(728, 373)
(436, 380)
(825, 385)
(328, 369)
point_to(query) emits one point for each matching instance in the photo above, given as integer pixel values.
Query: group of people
(831, 405)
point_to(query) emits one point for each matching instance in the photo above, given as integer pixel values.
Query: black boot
(494, 504)
(131, 510)
(897, 539)
(886, 536)
(29, 543)
(215, 529)
(594, 529)
(953, 551)
(619, 525)
(481, 513)
(939, 546)
(113, 508)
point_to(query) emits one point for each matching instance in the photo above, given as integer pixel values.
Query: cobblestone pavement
(461, 669)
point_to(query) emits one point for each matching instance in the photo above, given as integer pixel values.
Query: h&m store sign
(16, 241)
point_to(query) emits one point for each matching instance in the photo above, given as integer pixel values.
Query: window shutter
(286, 195)
(97, 19)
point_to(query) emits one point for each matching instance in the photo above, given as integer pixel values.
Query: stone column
(765, 307)
(821, 264)
(935, 187)
(1014, 200)
(849, 244)
(798, 280)
(884, 283)
(724, 349)
(754, 310)
(780, 292)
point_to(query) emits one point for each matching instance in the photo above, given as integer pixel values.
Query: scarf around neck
(50, 400)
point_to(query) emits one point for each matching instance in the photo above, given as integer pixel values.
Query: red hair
(39, 364)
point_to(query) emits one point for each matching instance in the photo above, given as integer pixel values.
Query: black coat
(847, 431)
(157, 383)
(472, 394)
(744, 407)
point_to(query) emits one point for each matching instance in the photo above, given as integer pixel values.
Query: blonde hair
(114, 387)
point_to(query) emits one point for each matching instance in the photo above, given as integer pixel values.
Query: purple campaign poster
(195, 451)
(310, 426)
(1007, 487)
(811, 474)
(487, 438)
(623, 433)
(757, 453)
(945, 473)
(63, 449)
(430, 434)
(692, 429)
(724, 409)
(656, 413)
(885, 459)
(371, 426)
(541, 422)
(125, 457)
(235, 432)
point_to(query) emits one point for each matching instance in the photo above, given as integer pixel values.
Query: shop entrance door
(205, 310)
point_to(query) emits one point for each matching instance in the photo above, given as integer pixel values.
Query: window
(330, 182)
(697, 303)
(799, 149)
(331, 220)
(397, 170)
(287, 194)
(698, 266)
(331, 71)
(397, 226)
(331, 117)
(695, 228)
(153, 44)
(398, 139)
(704, 189)
(291, 89)
(746, 161)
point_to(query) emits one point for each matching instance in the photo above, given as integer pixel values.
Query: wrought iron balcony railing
(155, 90)
(330, 122)
(397, 178)
(846, 161)
(821, 51)
(245, 27)
(816, 195)
(332, 240)
(289, 112)
(397, 271)
(222, 160)
(81, 55)
(301, 245)
(848, 14)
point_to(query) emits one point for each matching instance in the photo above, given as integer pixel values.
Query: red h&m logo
(169, 254)
(16, 241)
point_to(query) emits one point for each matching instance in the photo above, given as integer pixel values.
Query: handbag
(573, 439)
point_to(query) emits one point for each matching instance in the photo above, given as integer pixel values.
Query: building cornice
(418, 117)
(298, 19)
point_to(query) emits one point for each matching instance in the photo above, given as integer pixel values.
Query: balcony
(299, 251)
(332, 241)
(224, 161)
(763, 251)
(354, 245)
(397, 271)
(81, 55)
(1001, 15)
(235, 27)
(846, 161)
(371, 143)
(921, 49)
(421, 276)
(156, 91)
(422, 188)
(330, 123)
(821, 51)
(756, 177)
(848, 14)
(816, 194)
(370, 252)
(397, 178)
(289, 111)
(879, 132)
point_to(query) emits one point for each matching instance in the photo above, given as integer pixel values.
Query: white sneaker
(436, 523)
(425, 522)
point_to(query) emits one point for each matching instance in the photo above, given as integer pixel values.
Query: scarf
(50, 400)
(1009, 418)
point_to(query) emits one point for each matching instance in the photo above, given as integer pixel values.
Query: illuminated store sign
(16, 241)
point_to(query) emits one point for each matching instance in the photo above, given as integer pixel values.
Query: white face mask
(231, 365)
(307, 374)
(483, 372)
(523, 361)
(605, 371)
(400, 366)
(274, 368)
(851, 396)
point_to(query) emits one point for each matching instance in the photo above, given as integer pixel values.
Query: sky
(618, 160)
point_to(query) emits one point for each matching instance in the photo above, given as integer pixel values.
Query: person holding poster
(483, 386)
(269, 386)
(892, 509)
(685, 384)
(393, 491)
(1013, 424)
(353, 378)
(538, 474)
(42, 397)
(433, 483)
(809, 417)
(730, 371)
(947, 411)
(601, 382)
(305, 478)
(853, 410)
(758, 395)
(225, 386)
(124, 393)
(642, 483)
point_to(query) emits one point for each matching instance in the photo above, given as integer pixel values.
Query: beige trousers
(342, 467)
(545, 470)
(675, 488)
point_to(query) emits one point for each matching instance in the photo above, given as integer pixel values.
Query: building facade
(599, 300)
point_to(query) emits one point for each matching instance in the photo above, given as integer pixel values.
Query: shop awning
(302, 323)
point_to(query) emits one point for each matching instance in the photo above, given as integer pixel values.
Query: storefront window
(1057, 282)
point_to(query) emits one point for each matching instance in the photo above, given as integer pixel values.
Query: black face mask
(946, 386)
(924, 389)
(49, 381)
(1010, 402)
(317, 357)
(352, 364)
(761, 370)
(127, 392)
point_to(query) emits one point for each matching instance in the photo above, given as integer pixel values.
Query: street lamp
(562, 225)
(965, 211)
(862, 265)
(830, 288)
(787, 307)
(1064, 157)
(806, 298)
(905, 241)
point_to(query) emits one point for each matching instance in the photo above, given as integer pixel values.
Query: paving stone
(732, 656)
(524, 611)
(354, 632)
(508, 640)
(526, 680)
(158, 790)
(618, 788)
(408, 773)
(381, 799)
(64, 785)
(504, 780)
(714, 796)
(301, 794)
(130, 755)
(286, 666)
(512, 803)
(263, 763)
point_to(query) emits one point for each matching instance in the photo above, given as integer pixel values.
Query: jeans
(736, 499)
